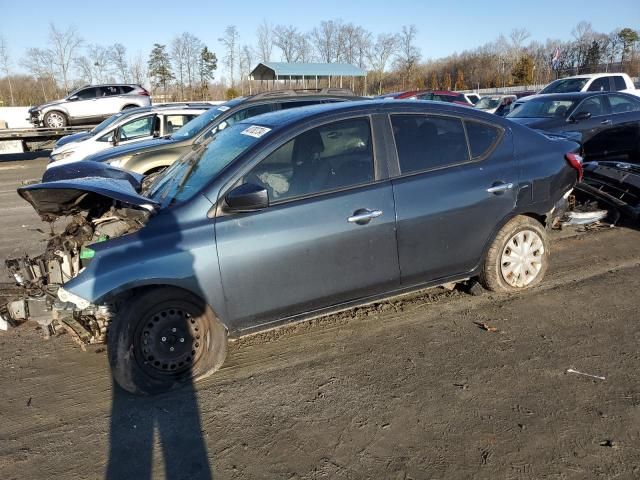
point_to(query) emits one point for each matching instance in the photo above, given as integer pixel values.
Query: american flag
(556, 59)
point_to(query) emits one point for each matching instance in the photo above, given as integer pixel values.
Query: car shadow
(146, 429)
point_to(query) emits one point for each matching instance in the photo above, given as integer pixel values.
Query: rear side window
(108, 91)
(599, 85)
(622, 104)
(619, 83)
(425, 142)
(306, 103)
(174, 122)
(482, 137)
(248, 113)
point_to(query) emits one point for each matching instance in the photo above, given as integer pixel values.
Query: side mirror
(580, 117)
(73, 98)
(248, 197)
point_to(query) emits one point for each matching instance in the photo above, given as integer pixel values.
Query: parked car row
(269, 214)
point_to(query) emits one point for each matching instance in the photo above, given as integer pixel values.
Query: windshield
(195, 126)
(543, 108)
(566, 85)
(488, 103)
(193, 171)
(109, 121)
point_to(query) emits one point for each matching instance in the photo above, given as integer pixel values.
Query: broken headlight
(78, 301)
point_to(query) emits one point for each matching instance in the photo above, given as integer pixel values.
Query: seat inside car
(309, 172)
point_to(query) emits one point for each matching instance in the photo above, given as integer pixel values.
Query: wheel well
(540, 218)
(129, 105)
(137, 291)
(56, 111)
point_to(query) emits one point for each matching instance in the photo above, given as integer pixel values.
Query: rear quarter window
(126, 89)
(482, 137)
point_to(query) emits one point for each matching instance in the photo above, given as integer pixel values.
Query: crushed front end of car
(97, 209)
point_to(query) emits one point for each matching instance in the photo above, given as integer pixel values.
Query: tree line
(185, 68)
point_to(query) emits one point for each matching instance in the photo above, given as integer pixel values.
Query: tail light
(575, 161)
(143, 92)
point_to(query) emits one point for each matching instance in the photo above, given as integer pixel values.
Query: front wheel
(518, 257)
(55, 119)
(164, 339)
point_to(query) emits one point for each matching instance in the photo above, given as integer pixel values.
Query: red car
(436, 95)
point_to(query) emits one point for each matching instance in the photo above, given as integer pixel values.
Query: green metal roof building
(308, 73)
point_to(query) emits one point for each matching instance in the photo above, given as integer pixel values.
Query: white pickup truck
(593, 82)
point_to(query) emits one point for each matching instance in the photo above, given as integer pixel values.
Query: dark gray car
(294, 214)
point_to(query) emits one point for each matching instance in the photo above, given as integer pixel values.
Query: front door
(328, 236)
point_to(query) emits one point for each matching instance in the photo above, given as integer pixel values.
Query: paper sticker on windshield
(255, 131)
(223, 108)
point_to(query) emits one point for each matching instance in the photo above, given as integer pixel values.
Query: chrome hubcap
(521, 259)
(54, 120)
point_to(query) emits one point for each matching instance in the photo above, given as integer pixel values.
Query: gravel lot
(410, 388)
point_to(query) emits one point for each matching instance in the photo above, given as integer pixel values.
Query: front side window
(426, 142)
(329, 157)
(141, 127)
(593, 105)
(86, 94)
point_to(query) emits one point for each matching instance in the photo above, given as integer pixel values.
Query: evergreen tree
(160, 67)
(207, 65)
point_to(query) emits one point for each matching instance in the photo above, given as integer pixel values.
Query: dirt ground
(407, 389)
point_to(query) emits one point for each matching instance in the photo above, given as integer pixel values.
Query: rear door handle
(498, 189)
(605, 122)
(363, 216)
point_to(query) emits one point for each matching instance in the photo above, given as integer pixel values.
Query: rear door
(328, 236)
(109, 100)
(624, 134)
(449, 198)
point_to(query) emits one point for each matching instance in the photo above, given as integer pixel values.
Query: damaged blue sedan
(285, 216)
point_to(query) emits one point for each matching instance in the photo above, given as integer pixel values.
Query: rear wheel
(165, 339)
(55, 119)
(518, 257)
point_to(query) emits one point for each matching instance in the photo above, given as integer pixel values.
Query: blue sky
(443, 27)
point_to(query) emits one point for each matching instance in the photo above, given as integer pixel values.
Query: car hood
(45, 105)
(136, 147)
(76, 137)
(82, 187)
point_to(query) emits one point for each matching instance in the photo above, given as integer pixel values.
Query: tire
(55, 119)
(164, 339)
(505, 268)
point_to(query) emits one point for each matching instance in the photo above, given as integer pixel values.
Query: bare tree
(230, 43)
(5, 65)
(40, 63)
(287, 39)
(245, 62)
(408, 53)
(64, 45)
(118, 54)
(325, 40)
(265, 36)
(179, 61)
(384, 48)
(138, 69)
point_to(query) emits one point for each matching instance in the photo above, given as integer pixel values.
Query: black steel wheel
(165, 338)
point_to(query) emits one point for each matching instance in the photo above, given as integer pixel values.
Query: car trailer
(17, 141)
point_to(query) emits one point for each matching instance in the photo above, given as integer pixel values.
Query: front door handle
(605, 122)
(500, 188)
(363, 216)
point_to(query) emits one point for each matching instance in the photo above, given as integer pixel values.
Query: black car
(293, 214)
(608, 123)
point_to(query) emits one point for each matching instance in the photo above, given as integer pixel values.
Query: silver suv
(89, 105)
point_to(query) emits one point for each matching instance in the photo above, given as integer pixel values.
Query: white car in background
(472, 97)
(127, 127)
(593, 82)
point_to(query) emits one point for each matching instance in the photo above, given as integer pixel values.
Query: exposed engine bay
(66, 255)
